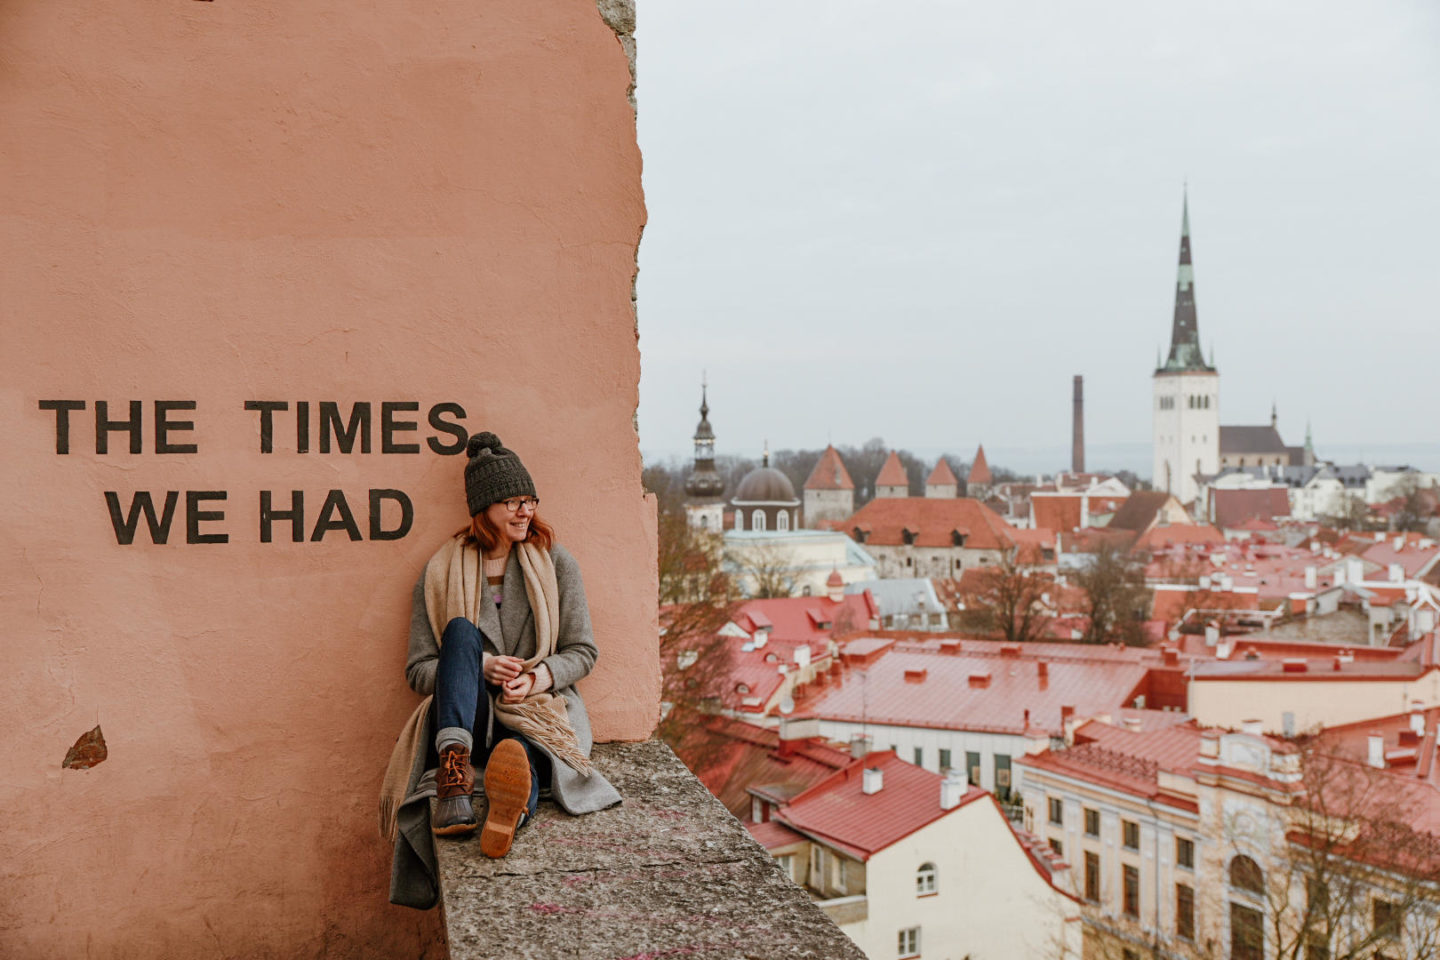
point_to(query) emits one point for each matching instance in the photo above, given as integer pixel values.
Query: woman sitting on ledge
(502, 602)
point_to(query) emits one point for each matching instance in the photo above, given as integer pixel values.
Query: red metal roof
(838, 812)
(810, 620)
(1091, 680)
(829, 473)
(932, 521)
(773, 834)
(731, 756)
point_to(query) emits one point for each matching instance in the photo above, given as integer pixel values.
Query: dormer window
(957, 539)
(859, 535)
(908, 536)
(742, 688)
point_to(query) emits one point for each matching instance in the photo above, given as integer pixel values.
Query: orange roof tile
(980, 470)
(931, 521)
(893, 473)
(1056, 511)
(829, 473)
(942, 474)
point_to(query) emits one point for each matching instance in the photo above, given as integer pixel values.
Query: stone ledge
(667, 873)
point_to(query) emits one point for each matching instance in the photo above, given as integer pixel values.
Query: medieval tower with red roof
(829, 492)
(1186, 410)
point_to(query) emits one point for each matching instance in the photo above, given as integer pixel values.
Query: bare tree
(1354, 878)
(1115, 596)
(696, 601)
(765, 568)
(1010, 602)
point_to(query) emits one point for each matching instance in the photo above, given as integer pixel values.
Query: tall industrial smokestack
(1077, 441)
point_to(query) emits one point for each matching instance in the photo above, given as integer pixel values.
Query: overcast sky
(919, 220)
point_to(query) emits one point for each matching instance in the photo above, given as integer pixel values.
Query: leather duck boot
(507, 788)
(454, 783)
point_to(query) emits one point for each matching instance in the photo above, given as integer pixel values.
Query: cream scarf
(455, 587)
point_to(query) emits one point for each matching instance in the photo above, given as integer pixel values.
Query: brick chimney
(1077, 439)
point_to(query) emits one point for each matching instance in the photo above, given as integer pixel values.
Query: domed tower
(705, 488)
(765, 500)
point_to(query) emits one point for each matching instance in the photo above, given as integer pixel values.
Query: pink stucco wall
(414, 201)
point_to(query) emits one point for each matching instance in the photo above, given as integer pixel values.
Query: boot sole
(454, 830)
(507, 788)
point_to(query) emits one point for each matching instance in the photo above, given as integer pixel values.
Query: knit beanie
(494, 473)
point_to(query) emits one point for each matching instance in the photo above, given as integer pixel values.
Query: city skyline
(923, 233)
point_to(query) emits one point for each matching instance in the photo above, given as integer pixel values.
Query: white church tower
(1187, 394)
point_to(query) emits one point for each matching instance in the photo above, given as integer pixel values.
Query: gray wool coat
(509, 631)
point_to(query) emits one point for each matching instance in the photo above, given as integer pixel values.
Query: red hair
(487, 535)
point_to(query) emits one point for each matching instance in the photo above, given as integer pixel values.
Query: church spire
(704, 480)
(1185, 354)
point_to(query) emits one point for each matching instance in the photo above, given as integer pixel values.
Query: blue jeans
(458, 701)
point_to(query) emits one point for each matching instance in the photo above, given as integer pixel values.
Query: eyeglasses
(515, 503)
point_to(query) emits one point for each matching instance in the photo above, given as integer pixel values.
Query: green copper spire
(1185, 354)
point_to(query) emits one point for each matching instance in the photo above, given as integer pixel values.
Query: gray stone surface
(668, 873)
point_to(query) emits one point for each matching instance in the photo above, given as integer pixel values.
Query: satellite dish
(787, 705)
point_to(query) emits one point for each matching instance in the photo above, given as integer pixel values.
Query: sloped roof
(979, 686)
(931, 521)
(1139, 510)
(829, 473)
(980, 469)
(1252, 440)
(892, 474)
(838, 812)
(800, 619)
(1159, 538)
(942, 474)
(729, 756)
(1234, 507)
(1056, 511)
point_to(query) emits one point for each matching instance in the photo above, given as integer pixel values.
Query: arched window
(1245, 874)
(925, 880)
(757, 519)
(739, 519)
(782, 520)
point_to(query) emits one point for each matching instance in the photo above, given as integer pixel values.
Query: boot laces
(452, 768)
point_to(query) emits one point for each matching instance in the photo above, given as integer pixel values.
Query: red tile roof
(829, 473)
(942, 474)
(1056, 511)
(892, 474)
(837, 812)
(1033, 544)
(980, 469)
(932, 522)
(1233, 507)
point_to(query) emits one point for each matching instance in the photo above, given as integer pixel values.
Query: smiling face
(514, 526)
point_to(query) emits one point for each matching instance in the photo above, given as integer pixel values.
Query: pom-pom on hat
(494, 473)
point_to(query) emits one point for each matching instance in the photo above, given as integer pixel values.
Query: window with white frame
(757, 519)
(909, 942)
(787, 865)
(925, 880)
(817, 860)
(782, 520)
(739, 519)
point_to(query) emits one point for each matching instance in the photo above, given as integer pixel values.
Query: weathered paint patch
(87, 751)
